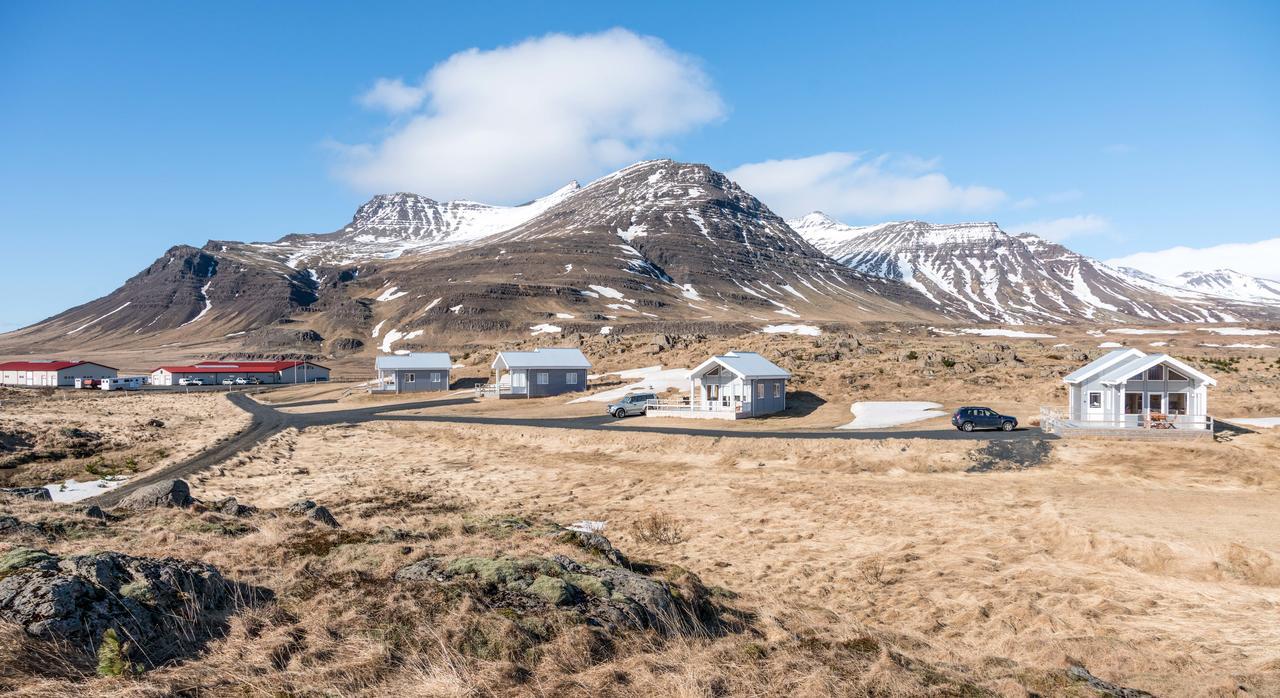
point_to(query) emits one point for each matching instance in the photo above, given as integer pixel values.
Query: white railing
(1052, 421)
(682, 406)
(498, 390)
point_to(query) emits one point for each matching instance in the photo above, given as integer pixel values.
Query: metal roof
(1101, 363)
(1132, 367)
(419, 360)
(543, 358)
(747, 364)
(46, 365)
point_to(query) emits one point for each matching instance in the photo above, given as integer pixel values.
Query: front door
(519, 379)
(713, 392)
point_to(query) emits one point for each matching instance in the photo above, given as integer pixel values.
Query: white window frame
(777, 389)
(571, 378)
(410, 377)
(759, 391)
(435, 376)
(543, 378)
(1092, 395)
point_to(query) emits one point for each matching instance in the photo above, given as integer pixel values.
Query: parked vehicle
(122, 383)
(228, 381)
(87, 383)
(241, 381)
(970, 418)
(190, 381)
(253, 380)
(633, 404)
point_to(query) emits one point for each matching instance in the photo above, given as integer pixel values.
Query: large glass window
(571, 378)
(1155, 373)
(1133, 403)
(544, 378)
(1175, 376)
(1177, 403)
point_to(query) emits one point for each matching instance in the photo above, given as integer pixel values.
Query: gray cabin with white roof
(418, 372)
(538, 373)
(741, 383)
(1127, 388)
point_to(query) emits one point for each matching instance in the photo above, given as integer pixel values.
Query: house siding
(557, 383)
(422, 382)
(768, 404)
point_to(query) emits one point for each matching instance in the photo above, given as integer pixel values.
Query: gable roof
(542, 358)
(237, 367)
(1101, 363)
(47, 365)
(422, 360)
(1132, 367)
(747, 364)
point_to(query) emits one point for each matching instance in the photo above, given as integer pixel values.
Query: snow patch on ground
(996, 332)
(1238, 345)
(378, 328)
(610, 293)
(394, 336)
(1110, 345)
(654, 378)
(456, 310)
(878, 415)
(1264, 422)
(126, 303)
(1130, 330)
(433, 304)
(807, 330)
(1158, 344)
(564, 316)
(688, 291)
(607, 329)
(390, 294)
(544, 328)
(72, 491)
(1237, 331)
(208, 304)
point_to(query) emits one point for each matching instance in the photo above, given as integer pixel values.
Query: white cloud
(1254, 258)
(513, 122)
(1059, 229)
(393, 96)
(848, 184)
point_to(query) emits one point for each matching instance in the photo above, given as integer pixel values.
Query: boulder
(322, 516)
(155, 423)
(301, 507)
(231, 507)
(94, 512)
(167, 608)
(38, 494)
(595, 542)
(167, 493)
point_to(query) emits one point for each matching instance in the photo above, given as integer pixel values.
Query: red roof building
(266, 371)
(51, 372)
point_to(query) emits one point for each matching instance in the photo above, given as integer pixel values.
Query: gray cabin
(537, 373)
(1129, 389)
(419, 372)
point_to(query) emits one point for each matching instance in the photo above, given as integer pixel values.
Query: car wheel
(619, 414)
(967, 426)
(1007, 426)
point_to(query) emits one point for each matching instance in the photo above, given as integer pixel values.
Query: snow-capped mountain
(981, 271)
(1231, 284)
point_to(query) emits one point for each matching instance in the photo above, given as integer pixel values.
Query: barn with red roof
(52, 373)
(215, 372)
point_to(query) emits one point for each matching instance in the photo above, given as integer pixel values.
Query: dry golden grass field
(890, 566)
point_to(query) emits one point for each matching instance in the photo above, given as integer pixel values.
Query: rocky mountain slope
(658, 244)
(980, 271)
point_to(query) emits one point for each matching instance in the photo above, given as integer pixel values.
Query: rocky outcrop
(165, 608)
(167, 493)
(38, 494)
(314, 513)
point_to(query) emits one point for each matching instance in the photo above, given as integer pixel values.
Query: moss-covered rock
(555, 591)
(23, 558)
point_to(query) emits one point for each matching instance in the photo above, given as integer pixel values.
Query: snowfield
(1264, 422)
(1237, 331)
(879, 415)
(654, 378)
(391, 294)
(1110, 345)
(544, 328)
(1130, 330)
(1016, 334)
(72, 491)
(807, 330)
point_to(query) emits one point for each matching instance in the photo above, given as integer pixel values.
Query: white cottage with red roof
(52, 372)
(214, 372)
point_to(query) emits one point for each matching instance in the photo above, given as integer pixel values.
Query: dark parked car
(970, 418)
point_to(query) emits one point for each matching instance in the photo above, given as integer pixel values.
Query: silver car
(633, 404)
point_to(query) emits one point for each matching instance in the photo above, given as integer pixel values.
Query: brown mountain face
(658, 245)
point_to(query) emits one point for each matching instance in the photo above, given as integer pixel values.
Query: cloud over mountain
(1253, 258)
(508, 123)
(853, 185)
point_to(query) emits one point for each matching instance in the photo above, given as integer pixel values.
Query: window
(1175, 376)
(435, 377)
(571, 378)
(1155, 373)
(1177, 403)
(777, 389)
(1095, 400)
(759, 391)
(409, 377)
(1133, 403)
(544, 378)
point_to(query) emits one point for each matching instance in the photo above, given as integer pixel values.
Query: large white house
(1128, 389)
(52, 372)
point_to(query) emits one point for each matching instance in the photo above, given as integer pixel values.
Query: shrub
(663, 529)
(113, 656)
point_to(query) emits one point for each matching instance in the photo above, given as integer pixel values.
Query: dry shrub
(659, 528)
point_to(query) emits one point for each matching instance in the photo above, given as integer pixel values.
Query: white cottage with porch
(736, 385)
(1127, 389)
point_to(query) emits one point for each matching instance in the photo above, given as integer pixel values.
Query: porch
(1145, 424)
(700, 409)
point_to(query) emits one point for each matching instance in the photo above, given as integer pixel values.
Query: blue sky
(1121, 128)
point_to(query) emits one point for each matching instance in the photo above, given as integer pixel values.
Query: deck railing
(686, 407)
(498, 390)
(1148, 424)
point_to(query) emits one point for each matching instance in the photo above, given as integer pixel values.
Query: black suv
(970, 418)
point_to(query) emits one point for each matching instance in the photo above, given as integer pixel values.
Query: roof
(543, 358)
(425, 360)
(236, 367)
(746, 364)
(1127, 369)
(46, 365)
(1100, 364)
